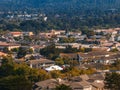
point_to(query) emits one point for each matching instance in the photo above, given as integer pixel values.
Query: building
(83, 82)
(54, 67)
(27, 33)
(40, 63)
(8, 45)
(16, 34)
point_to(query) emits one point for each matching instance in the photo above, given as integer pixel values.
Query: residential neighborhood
(97, 52)
(59, 44)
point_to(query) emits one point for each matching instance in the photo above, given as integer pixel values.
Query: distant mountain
(55, 5)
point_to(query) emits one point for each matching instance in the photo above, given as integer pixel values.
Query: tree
(43, 75)
(15, 83)
(7, 60)
(55, 74)
(59, 61)
(6, 70)
(116, 65)
(51, 52)
(74, 72)
(112, 81)
(6, 50)
(63, 87)
(7, 67)
(30, 50)
(114, 50)
(67, 40)
(21, 52)
(69, 49)
(14, 50)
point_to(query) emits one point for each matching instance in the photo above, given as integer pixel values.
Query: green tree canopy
(15, 83)
(63, 87)
(112, 81)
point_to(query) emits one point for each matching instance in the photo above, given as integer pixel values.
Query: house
(49, 84)
(64, 45)
(97, 86)
(58, 32)
(54, 67)
(82, 82)
(52, 33)
(45, 85)
(80, 38)
(83, 85)
(36, 48)
(97, 77)
(107, 59)
(8, 45)
(97, 56)
(16, 34)
(46, 35)
(97, 81)
(74, 33)
(97, 37)
(91, 41)
(106, 31)
(27, 33)
(79, 78)
(40, 63)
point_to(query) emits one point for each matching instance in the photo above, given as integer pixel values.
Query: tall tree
(21, 52)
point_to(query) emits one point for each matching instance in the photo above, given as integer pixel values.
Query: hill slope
(59, 4)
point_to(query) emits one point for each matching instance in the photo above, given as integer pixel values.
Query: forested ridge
(63, 14)
(59, 4)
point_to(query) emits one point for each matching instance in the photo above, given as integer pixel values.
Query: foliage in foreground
(112, 81)
(21, 77)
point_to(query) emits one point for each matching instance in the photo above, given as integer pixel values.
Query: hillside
(63, 14)
(59, 4)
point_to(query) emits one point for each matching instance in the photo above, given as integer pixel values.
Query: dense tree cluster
(73, 22)
(63, 14)
(112, 81)
(67, 40)
(56, 5)
(21, 77)
(52, 52)
(22, 52)
(18, 76)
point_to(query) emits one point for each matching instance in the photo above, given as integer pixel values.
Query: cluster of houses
(82, 82)
(19, 15)
(101, 43)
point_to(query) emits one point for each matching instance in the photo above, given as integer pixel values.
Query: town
(64, 57)
(59, 44)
